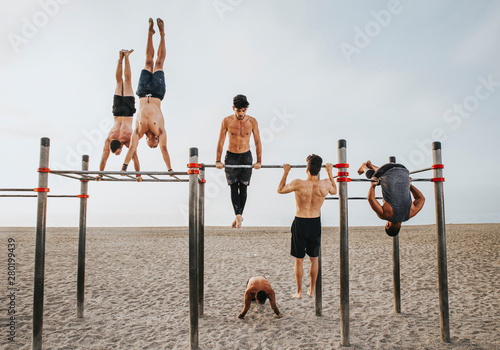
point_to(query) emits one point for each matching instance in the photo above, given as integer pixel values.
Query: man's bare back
(121, 130)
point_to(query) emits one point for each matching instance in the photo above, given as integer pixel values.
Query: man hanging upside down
(306, 227)
(259, 289)
(396, 190)
(123, 111)
(239, 126)
(151, 91)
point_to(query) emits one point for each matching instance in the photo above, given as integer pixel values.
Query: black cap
(342, 143)
(436, 145)
(392, 159)
(193, 151)
(45, 141)
(85, 158)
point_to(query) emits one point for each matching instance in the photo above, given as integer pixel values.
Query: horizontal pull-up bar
(349, 198)
(122, 173)
(35, 195)
(16, 190)
(251, 166)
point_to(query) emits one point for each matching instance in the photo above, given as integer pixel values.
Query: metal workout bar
(251, 166)
(84, 176)
(438, 180)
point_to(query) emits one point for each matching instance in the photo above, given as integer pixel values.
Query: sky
(390, 77)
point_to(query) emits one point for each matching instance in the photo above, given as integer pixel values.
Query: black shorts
(152, 84)
(123, 106)
(306, 237)
(238, 175)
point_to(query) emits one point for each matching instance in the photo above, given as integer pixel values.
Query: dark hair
(261, 296)
(393, 230)
(240, 101)
(115, 145)
(314, 164)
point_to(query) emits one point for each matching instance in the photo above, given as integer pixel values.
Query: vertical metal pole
(201, 240)
(441, 245)
(41, 224)
(193, 250)
(396, 269)
(318, 306)
(344, 249)
(82, 236)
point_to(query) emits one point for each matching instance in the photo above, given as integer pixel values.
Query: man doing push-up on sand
(396, 190)
(151, 91)
(259, 289)
(306, 228)
(123, 111)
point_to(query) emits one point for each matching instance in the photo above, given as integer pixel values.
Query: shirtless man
(123, 110)
(306, 228)
(239, 126)
(396, 190)
(259, 289)
(151, 91)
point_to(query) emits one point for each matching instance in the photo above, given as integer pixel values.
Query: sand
(137, 290)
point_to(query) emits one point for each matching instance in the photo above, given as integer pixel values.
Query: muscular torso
(309, 197)
(121, 130)
(239, 133)
(149, 116)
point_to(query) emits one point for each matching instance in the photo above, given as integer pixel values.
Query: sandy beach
(137, 289)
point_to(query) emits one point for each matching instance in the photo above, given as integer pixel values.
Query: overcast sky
(390, 77)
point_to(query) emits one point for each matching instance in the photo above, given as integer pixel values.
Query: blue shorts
(152, 84)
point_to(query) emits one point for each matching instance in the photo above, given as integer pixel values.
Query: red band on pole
(343, 173)
(202, 181)
(343, 179)
(194, 165)
(43, 170)
(193, 171)
(82, 196)
(41, 189)
(342, 165)
(438, 179)
(437, 166)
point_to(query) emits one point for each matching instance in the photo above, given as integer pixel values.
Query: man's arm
(418, 203)
(248, 302)
(333, 187)
(283, 187)
(258, 144)
(134, 142)
(104, 158)
(272, 302)
(137, 166)
(163, 148)
(220, 144)
(377, 208)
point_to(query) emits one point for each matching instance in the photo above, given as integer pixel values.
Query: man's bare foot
(126, 53)
(310, 293)
(161, 26)
(151, 26)
(370, 165)
(235, 222)
(297, 295)
(239, 220)
(361, 169)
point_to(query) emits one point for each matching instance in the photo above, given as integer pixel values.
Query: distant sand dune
(137, 289)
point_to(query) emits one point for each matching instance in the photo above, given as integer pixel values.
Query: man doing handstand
(396, 190)
(306, 228)
(151, 91)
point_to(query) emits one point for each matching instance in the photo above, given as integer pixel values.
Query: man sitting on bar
(239, 126)
(259, 289)
(396, 191)
(306, 228)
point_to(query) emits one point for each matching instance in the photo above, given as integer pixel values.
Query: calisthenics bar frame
(438, 180)
(84, 176)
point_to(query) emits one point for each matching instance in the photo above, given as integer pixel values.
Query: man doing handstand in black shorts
(239, 126)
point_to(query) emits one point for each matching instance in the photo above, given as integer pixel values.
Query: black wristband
(124, 167)
(241, 316)
(218, 161)
(169, 170)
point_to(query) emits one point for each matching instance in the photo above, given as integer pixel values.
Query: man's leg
(150, 50)
(236, 201)
(313, 273)
(119, 73)
(367, 166)
(162, 53)
(299, 273)
(127, 85)
(243, 199)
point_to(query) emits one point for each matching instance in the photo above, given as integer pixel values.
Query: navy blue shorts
(152, 84)
(306, 237)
